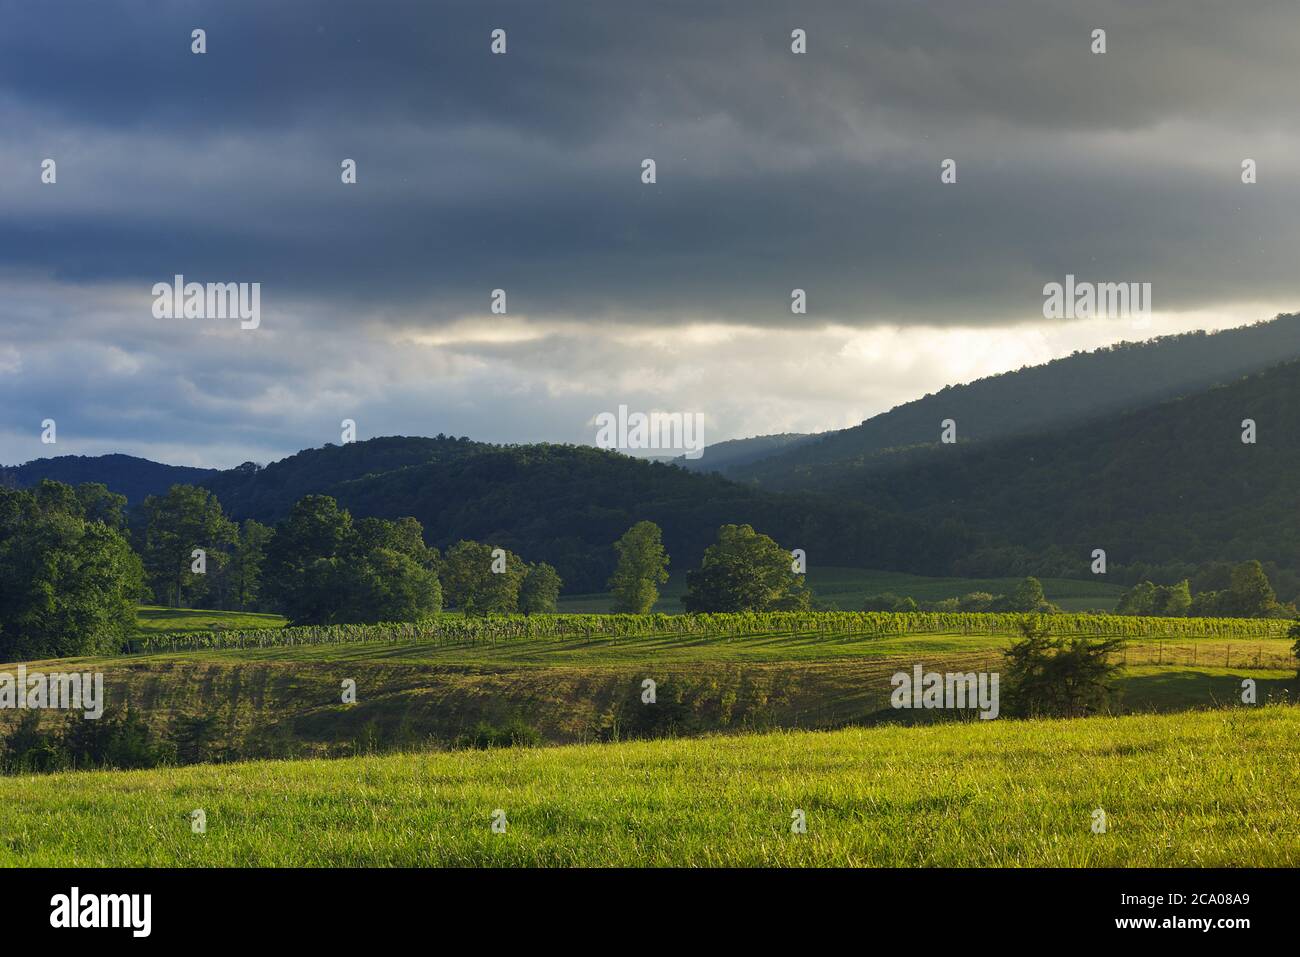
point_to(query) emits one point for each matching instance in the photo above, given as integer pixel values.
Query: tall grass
(1213, 788)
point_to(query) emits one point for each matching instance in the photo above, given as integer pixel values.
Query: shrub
(514, 733)
(1066, 677)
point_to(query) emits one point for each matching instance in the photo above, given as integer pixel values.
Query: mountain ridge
(1071, 389)
(993, 506)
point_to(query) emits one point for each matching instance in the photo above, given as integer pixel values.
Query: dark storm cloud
(522, 171)
(573, 67)
(776, 171)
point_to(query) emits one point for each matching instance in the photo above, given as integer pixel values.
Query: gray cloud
(818, 171)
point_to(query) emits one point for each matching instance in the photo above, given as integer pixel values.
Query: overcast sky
(523, 172)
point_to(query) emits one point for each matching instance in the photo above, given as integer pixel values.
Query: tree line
(320, 566)
(1027, 596)
(1220, 591)
(74, 564)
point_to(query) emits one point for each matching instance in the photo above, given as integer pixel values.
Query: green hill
(1051, 462)
(733, 453)
(1064, 392)
(1166, 486)
(127, 475)
(566, 505)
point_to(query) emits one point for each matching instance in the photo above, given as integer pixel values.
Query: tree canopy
(745, 570)
(642, 568)
(68, 583)
(320, 568)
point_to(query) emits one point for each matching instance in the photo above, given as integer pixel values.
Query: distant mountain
(1165, 487)
(1160, 484)
(1079, 387)
(268, 493)
(562, 504)
(568, 504)
(736, 452)
(136, 478)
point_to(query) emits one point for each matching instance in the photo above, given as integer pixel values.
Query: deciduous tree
(642, 568)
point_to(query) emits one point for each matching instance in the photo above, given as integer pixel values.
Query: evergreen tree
(1065, 677)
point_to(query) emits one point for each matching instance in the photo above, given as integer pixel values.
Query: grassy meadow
(847, 589)
(749, 725)
(159, 619)
(285, 701)
(1210, 788)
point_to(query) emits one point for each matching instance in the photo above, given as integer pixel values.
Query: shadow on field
(206, 709)
(1187, 689)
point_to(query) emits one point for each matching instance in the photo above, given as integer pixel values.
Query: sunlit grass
(1214, 788)
(158, 619)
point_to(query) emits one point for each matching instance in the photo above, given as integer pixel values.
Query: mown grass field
(157, 619)
(846, 589)
(1214, 788)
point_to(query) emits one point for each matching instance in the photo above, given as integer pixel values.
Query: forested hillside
(1169, 486)
(566, 505)
(1163, 487)
(127, 475)
(722, 456)
(1062, 392)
